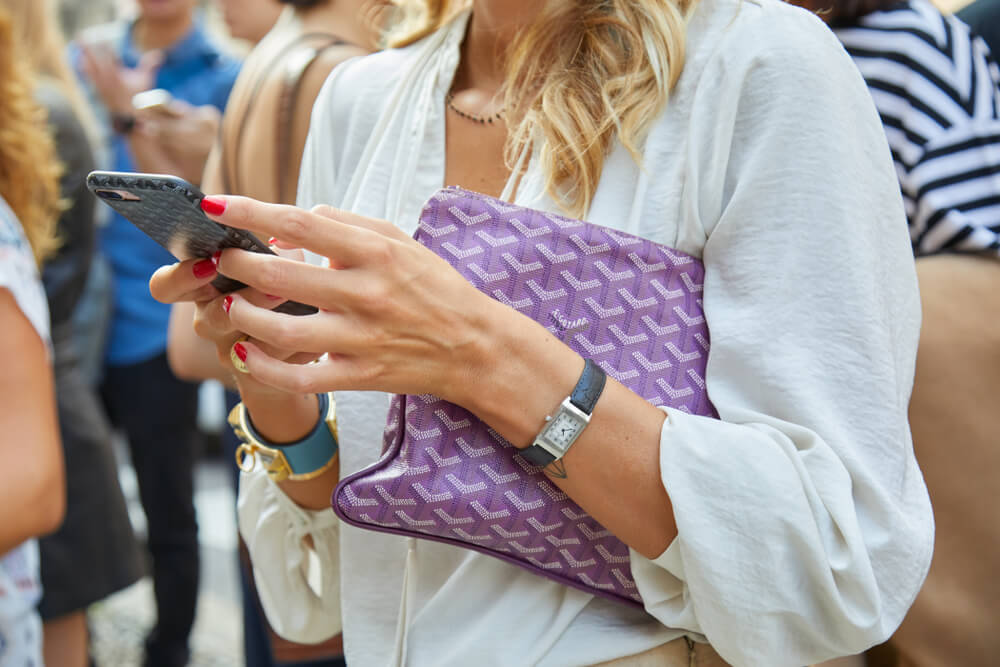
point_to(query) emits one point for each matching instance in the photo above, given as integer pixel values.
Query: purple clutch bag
(631, 305)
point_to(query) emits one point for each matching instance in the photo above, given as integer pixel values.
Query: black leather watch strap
(538, 456)
(585, 394)
(122, 123)
(589, 387)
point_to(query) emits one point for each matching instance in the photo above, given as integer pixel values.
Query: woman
(794, 530)
(97, 528)
(32, 485)
(261, 141)
(937, 88)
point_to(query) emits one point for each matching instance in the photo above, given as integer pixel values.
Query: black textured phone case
(170, 213)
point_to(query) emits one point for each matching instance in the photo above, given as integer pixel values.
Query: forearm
(612, 471)
(38, 495)
(313, 494)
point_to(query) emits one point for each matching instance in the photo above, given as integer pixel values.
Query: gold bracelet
(273, 458)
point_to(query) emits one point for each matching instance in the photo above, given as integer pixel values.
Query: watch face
(563, 429)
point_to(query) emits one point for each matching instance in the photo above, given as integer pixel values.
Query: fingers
(285, 248)
(328, 374)
(288, 278)
(150, 62)
(299, 333)
(287, 251)
(185, 281)
(383, 227)
(345, 244)
(211, 320)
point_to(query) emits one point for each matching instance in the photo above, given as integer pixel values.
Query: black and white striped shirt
(938, 91)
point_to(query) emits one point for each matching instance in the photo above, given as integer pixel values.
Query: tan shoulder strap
(295, 71)
(229, 159)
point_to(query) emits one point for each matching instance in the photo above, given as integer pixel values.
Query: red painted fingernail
(216, 256)
(203, 269)
(273, 297)
(227, 303)
(213, 205)
(272, 240)
(240, 351)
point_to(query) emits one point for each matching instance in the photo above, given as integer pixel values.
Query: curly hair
(29, 168)
(583, 75)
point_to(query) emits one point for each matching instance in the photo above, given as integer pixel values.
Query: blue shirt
(195, 71)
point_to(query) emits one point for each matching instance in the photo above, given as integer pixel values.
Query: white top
(20, 586)
(805, 529)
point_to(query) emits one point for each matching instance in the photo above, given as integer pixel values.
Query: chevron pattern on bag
(631, 305)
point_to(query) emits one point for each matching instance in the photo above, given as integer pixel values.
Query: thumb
(150, 62)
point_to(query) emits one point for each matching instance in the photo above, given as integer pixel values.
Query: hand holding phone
(167, 209)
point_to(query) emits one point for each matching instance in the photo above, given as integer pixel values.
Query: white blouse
(804, 525)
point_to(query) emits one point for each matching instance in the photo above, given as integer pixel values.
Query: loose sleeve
(804, 527)
(298, 585)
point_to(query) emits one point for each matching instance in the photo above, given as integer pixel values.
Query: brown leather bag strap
(295, 71)
(224, 167)
(230, 160)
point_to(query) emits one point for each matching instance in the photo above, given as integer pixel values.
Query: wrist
(307, 458)
(282, 418)
(123, 122)
(522, 378)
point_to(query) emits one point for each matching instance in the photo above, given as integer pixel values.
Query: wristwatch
(563, 428)
(304, 459)
(122, 123)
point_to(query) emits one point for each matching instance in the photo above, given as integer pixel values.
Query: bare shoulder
(318, 72)
(337, 54)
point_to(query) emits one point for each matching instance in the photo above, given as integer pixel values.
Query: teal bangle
(303, 459)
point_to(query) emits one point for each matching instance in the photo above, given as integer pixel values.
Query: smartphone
(157, 100)
(168, 210)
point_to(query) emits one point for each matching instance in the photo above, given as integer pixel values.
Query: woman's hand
(397, 318)
(190, 281)
(393, 316)
(279, 416)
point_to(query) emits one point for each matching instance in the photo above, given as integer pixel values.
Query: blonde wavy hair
(585, 73)
(29, 168)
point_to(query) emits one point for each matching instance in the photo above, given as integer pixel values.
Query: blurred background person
(250, 20)
(32, 485)
(258, 154)
(937, 90)
(983, 16)
(165, 48)
(96, 530)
